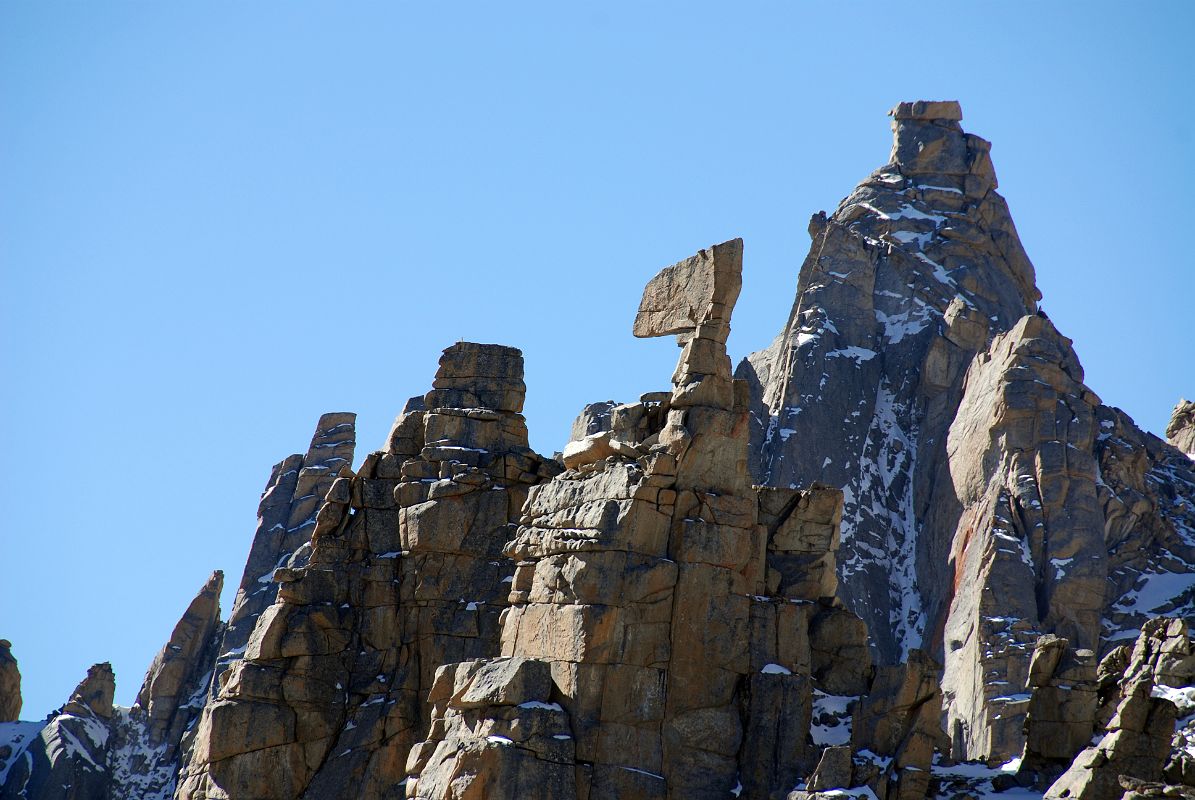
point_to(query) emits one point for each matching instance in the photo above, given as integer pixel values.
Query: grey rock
(1180, 431)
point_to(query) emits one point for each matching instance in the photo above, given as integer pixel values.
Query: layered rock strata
(670, 623)
(905, 535)
(404, 574)
(285, 522)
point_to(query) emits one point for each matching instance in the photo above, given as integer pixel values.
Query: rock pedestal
(683, 616)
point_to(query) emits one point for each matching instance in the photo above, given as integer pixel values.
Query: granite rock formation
(1180, 432)
(1131, 702)
(672, 629)
(91, 749)
(403, 575)
(285, 522)
(991, 497)
(904, 552)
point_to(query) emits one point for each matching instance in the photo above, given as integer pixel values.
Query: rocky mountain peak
(904, 552)
(179, 665)
(94, 693)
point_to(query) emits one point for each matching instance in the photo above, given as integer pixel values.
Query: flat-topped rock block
(928, 110)
(702, 288)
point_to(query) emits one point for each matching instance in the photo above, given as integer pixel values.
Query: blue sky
(219, 220)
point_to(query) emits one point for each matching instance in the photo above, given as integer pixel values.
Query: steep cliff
(990, 497)
(904, 552)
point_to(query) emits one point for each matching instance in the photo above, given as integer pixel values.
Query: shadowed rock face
(990, 496)
(93, 750)
(285, 521)
(902, 286)
(69, 758)
(905, 532)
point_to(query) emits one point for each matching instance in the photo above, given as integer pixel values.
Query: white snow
(75, 748)
(906, 323)
(775, 669)
(938, 188)
(1060, 564)
(1156, 590)
(18, 736)
(1020, 697)
(1184, 698)
(830, 721)
(885, 496)
(859, 793)
(939, 271)
(908, 237)
(974, 779)
(540, 704)
(499, 739)
(904, 212)
(805, 336)
(860, 354)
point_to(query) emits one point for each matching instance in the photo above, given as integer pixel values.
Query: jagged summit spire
(928, 140)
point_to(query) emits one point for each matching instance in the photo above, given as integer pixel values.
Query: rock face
(285, 521)
(92, 749)
(1181, 430)
(990, 497)
(404, 575)
(175, 673)
(671, 624)
(904, 536)
(10, 684)
(70, 758)
(1132, 704)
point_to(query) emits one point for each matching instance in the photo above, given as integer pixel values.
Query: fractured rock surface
(904, 552)
(991, 497)
(92, 749)
(404, 574)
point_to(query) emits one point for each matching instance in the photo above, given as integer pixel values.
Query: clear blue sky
(219, 220)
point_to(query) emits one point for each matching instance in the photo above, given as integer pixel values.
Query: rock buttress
(976, 495)
(683, 615)
(404, 575)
